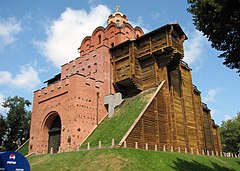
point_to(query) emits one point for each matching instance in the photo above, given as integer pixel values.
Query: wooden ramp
(151, 125)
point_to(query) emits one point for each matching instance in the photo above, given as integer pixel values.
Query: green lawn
(131, 159)
(117, 126)
(24, 149)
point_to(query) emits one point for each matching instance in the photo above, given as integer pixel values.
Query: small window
(118, 23)
(69, 139)
(99, 38)
(112, 45)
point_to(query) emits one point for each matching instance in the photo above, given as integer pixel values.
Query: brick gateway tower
(114, 61)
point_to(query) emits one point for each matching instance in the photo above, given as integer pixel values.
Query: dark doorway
(54, 135)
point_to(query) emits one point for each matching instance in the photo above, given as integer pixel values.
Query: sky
(37, 37)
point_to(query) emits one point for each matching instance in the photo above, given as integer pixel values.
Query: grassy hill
(24, 149)
(127, 159)
(131, 159)
(117, 126)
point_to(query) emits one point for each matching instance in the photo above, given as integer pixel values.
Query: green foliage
(230, 134)
(131, 159)
(220, 22)
(3, 128)
(17, 120)
(117, 126)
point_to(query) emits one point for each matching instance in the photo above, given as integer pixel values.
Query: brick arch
(51, 130)
(128, 26)
(138, 32)
(86, 43)
(128, 31)
(98, 32)
(111, 27)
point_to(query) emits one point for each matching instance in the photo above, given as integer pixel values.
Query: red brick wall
(78, 97)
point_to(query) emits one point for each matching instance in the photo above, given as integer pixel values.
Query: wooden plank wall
(199, 116)
(152, 128)
(188, 104)
(216, 138)
(177, 107)
(163, 75)
(158, 41)
(148, 73)
(138, 70)
(219, 146)
(122, 64)
(208, 133)
(176, 117)
(143, 47)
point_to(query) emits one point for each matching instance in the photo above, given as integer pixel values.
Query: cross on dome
(117, 17)
(117, 8)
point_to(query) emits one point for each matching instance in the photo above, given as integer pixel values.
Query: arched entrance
(53, 127)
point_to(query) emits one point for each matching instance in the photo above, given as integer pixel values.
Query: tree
(219, 20)
(230, 134)
(17, 121)
(3, 127)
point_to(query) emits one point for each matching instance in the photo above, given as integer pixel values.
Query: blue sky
(37, 37)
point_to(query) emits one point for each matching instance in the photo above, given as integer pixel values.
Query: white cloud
(8, 29)
(194, 47)
(211, 95)
(27, 78)
(65, 34)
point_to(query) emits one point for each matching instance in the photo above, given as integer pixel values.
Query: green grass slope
(24, 149)
(117, 126)
(131, 159)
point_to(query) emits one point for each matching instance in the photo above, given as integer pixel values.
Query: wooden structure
(136, 63)
(121, 58)
(176, 116)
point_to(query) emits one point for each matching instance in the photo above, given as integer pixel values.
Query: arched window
(118, 23)
(99, 38)
(112, 44)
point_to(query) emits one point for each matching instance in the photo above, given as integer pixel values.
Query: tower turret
(118, 18)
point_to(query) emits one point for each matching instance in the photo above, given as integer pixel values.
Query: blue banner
(13, 161)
